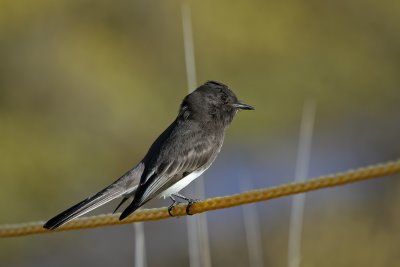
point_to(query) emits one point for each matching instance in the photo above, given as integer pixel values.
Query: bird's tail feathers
(84, 206)
(124, 186)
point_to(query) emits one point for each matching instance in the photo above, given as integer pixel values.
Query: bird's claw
(174, 203)
(190, 203)
(170, 209)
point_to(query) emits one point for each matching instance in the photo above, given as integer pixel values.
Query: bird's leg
(172, 205)
(189, 200)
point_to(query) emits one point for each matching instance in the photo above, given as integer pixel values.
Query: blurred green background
(86, 86)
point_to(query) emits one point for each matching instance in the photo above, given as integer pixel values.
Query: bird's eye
(224, 98)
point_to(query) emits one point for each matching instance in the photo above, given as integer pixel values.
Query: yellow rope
(373, 171)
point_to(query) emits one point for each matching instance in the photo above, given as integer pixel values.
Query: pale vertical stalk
(199, 247)
(202, 228)
(252, 229)
(140, 246)
(188, 46)
(301, 173)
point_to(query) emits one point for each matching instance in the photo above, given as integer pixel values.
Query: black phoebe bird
(179, 155)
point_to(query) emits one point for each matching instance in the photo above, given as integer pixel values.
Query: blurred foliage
(85, 86)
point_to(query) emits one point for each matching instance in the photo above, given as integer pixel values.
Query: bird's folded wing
(172, 170)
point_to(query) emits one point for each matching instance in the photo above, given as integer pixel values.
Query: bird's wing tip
(129, 210)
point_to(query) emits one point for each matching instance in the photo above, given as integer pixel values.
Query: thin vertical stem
(188, 46)
(199, 247)
(140, 246)
(298, 202)
(252, 229)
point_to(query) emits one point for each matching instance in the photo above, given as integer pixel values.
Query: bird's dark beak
(242, 106)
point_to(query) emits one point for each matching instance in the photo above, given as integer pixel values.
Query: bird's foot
(174, 203)
(190, 203)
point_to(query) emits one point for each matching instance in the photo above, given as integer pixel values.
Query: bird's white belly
(182, 183)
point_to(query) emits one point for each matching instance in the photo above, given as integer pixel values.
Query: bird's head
(212, 102)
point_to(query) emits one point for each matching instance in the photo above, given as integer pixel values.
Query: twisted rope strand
(372, 171)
